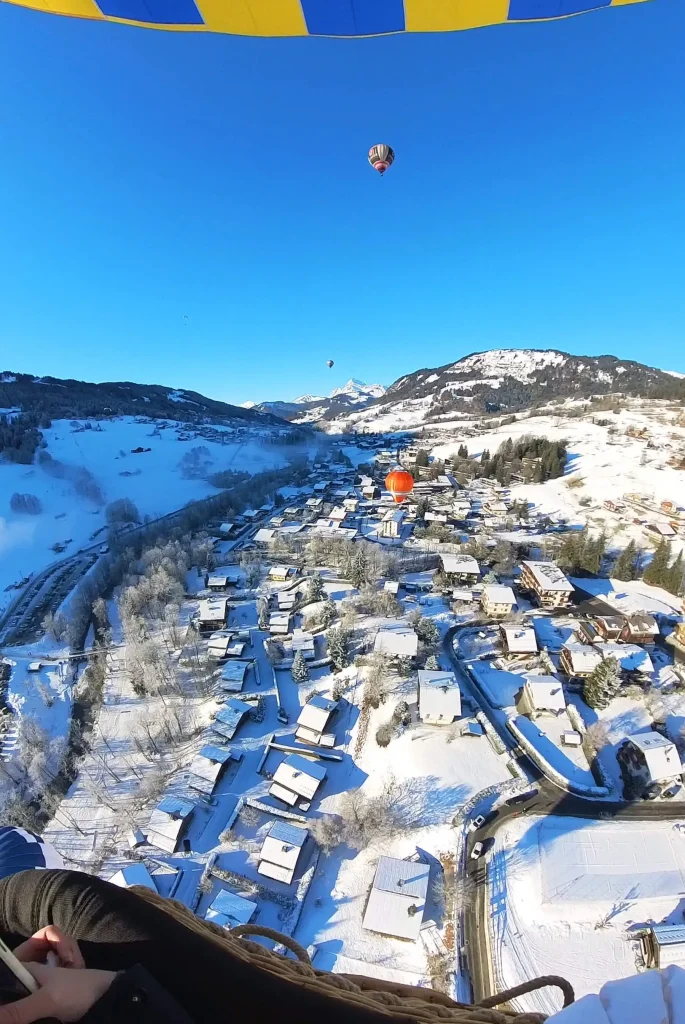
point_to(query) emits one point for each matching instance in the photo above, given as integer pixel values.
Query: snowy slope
(152, 480)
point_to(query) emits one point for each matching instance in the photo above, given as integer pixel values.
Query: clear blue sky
(537, 199)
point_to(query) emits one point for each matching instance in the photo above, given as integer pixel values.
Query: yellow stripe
(74, 8)
(451, 15)
(254, 17)
(619, 3)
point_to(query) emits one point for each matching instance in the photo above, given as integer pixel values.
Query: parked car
(671, 791)
(477, 851)
(477, 823)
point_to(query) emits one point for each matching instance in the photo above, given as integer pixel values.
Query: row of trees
(547, 460)
(664, 570)
(20, 436)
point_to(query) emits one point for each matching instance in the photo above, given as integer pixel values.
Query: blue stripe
(353, 17)
(158, 12)
(524, 10)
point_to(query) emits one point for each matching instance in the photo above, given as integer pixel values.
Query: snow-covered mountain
(313, 408)
(509, 380)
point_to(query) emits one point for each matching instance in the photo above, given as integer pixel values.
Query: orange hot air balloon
(400, 484)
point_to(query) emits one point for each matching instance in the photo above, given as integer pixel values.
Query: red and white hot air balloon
(400, 484)
(381, 157)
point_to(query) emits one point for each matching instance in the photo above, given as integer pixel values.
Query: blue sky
(537, 199)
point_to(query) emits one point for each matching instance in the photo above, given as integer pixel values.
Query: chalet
(229, 910)
(303, 641)
(133, 874)
(391, 523)
(397, 900)
(640, 629)
(663, 529)
(446, 480)
(676, 641)
(460, 568)
(281, 851)
(493, 507)
(601, 628)
(225, 646)
(321, 486)
(632, 660)
(351, 504)
(279, 623)
(227, 720)
(225, 529)
(547, 582)
(614, 506)
(518, 640)
(277, 521)
(217, 583)
(397, 641)
(462, 595)
(435, 517)
(578, 661)
(313, 721)
(391, 587)
(314, 504)
(670, 508)
(338, 513)
(439, 697)
(232, 677)
(649, 759)
(168, 821)
(282, 573)
(663, 945)
(497, 600)
(286, 600)
(541, 695)
(295, 779)
(206, 769)
(265, 536)
(212, 614)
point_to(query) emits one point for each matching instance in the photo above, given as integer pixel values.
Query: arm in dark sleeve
(134, 997)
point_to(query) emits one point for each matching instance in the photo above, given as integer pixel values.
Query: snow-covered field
(151, 479)
(568, 894)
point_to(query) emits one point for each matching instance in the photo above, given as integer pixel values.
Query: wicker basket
(387, 999)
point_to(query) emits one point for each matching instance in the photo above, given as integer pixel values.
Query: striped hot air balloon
(400, 484)
(21, 850)
(381, 157)
(318, 17)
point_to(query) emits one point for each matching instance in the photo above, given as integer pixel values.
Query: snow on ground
(151, 479)
(439, 772)
(624, 716)
(567, 895)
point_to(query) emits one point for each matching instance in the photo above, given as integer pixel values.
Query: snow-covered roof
(204, 773)
(299, 775)
(660, 755)
(582, 657)
(278, 572)
(133, 874)
(214, 753)
(233, 675)
(462, 595)
(281, 849)
(167, 822)
(519, 639)
(264, 536)
(630, 657)
(545, 693)
(213, 609)
(229, 910)
(315, 713)
(279, 620)
(549, 576)
(302, 640)
(495, 593)
(286, 599)
(391, 586)
(642, 623)
(231, 715)
(398, 898)
(460, 564)
(397, 640)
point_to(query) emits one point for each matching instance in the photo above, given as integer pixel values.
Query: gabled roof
(495, 593)
(660, 754)
(398, 898)
(545, 693)
(457, 564)
(549, 576)
(519, 639)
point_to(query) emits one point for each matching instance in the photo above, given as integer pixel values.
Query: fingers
(51, 939)
(38, 1006)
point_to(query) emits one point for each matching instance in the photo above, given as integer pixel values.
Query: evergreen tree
(593, 552)
(314, 588)
(572, 550)
(339, 647)
(300, 669)
(359, 569)
(673, 578)
(328, 614)
(626, 566)
(421, 457)
(263, 612)
(432, 663)
(656, 572)
(422, 507)
(463, 452)
(603, 684)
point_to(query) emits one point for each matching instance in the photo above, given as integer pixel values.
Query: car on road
(477, 851)
(477, 823)
(103, 549)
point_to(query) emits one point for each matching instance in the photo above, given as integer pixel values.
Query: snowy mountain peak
(506, 362)
(358, 391)
(304, 399)
(247, 405)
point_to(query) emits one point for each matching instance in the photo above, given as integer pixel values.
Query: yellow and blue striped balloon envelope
(319, 17)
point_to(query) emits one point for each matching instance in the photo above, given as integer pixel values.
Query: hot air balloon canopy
(317, 18)
(329, 363)
(21, 850)
(381, 157)
(400, 484)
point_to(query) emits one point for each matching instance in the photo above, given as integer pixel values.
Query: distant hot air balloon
(400, 484)
(380, 157)
(21, 850)
(329, 363)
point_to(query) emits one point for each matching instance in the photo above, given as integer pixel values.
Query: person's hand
(63, 993)
(51, 939)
